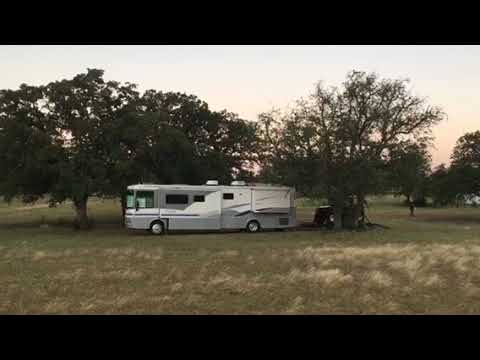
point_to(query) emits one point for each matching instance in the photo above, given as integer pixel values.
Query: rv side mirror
(137, 205)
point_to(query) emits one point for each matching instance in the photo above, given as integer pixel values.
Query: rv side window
(228, 196)
(176, 199)
(199, 198)
(145, 199)
(130, 199)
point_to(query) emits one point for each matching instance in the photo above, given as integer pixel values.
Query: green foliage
(28, 144)
(465, 166)
(442, 186)
(462, 179)
(85, 136)
(467, 150)
(223, 146)
(409, 165)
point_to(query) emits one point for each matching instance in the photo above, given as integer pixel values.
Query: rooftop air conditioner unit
(238, 183)
(212, 182)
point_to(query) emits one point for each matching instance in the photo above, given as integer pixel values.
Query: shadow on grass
(63, 222)
(449, 217)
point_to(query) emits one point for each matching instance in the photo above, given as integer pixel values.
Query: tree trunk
(337, 214)
(123, 202)
(360, 213)
(81, 220)
(337, 217)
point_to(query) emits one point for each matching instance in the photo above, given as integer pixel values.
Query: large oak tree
(336, 143)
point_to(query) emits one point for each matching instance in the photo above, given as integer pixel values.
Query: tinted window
(228, 196)
(177, 199)
(144, 199)
(199, 198)
(130, 199)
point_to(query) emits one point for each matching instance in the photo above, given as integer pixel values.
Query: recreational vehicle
(161, 208)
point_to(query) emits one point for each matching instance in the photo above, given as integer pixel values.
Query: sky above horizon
(249, 80)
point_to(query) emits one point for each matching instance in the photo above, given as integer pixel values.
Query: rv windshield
(130, 199)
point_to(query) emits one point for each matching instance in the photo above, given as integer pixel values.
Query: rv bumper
(130, 222)
(139, 221)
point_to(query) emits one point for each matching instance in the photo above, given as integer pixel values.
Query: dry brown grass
(389, 278)
(296, 306)
(321, 276)
(241, 283)
(56, 306)
(124, 274)
(228, 253)
(379, 278)
(419, 266)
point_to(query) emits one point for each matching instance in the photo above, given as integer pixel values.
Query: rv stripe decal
(244, 213)
(143, 214)
(272, 213)
(263, 212)
(167, 215)
(164, 215)
(239, 205)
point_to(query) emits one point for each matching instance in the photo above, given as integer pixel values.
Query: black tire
(157, 228)
(253, 226)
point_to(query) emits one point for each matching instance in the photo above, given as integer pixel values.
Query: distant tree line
(412, 175)
(85, 136)
(461, 180)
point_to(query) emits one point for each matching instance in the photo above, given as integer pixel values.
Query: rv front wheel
(253, 226)
(156, 228)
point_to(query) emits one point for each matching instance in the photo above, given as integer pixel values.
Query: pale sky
(249, 80)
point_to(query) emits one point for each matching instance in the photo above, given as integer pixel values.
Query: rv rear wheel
(253, 226)
(156, 228)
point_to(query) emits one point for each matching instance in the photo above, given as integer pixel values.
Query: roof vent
(212, 182)
(238, 183)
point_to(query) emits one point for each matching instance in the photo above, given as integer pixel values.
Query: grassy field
(426, 264)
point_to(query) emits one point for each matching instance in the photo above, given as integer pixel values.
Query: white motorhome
(161, 208)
